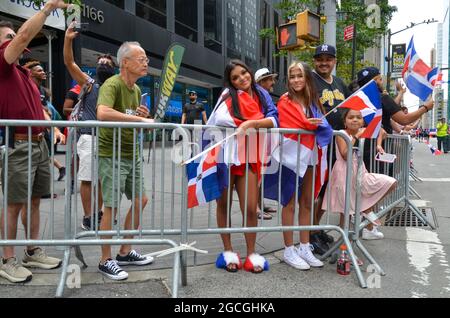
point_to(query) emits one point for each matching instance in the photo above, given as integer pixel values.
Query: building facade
(213, 31)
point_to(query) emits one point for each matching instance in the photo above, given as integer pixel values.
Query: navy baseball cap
(367, 74)
(325, 49)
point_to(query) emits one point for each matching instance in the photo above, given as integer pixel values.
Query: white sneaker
(291, 258)
(305, 252)
(372, 235)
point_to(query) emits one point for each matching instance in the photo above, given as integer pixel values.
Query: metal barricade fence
(399, 198)
(169, 219)
(64, 231)
(202, 218)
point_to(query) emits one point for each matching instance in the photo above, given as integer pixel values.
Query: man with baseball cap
(24, 104)
(266, 79)
(193, 111)
(332, 91)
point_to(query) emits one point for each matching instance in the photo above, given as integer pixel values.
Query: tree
(350, 12)
(76, 2)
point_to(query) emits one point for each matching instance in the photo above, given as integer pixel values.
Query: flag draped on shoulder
(209, 177)
(295, 153)
(419, 77)
(367, 100)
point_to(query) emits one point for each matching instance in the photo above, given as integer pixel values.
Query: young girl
(244, 106)
(374, 187)
(299, 108)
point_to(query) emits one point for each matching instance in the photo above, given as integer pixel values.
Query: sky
(425, 35)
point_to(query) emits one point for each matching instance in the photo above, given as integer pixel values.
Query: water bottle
(343, 263)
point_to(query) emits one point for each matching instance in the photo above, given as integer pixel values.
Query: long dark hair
(310, 92)
(233, 91)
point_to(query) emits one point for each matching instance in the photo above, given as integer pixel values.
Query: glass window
(234, 29)
(153, 11)
(213, 25)
(186, 19)
(117, 3)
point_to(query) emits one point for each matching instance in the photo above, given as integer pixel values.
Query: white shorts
(84, 146)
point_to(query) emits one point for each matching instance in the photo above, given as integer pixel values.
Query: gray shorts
(17, 174)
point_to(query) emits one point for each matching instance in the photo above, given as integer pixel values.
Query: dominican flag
(368, 101)
(294, 155)
(419, 77)
(207, 178)
(434, 150)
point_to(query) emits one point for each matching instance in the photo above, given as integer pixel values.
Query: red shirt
(19, 97)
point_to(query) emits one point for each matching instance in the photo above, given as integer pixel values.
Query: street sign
(398, 60)
(349, 32)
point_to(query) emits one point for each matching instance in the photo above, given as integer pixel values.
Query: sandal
(229, 261)
(372, 217)
(263, 215)
(256, 264)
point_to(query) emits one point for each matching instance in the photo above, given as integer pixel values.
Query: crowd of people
(312, 92)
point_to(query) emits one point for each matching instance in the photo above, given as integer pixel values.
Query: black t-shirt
(72, 96)
(193, 112)
(390, 108)
(331, 95)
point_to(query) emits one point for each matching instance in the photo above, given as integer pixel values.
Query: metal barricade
(203, 224)
(63, 231)
(400, 197)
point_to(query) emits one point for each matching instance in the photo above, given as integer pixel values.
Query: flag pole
(355, 93)
(209, 149)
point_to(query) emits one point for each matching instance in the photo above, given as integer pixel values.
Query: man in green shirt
(119, 101)
(442, 135)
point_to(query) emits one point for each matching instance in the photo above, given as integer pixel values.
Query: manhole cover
(407, 218)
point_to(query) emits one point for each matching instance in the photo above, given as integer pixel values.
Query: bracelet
(46, 12)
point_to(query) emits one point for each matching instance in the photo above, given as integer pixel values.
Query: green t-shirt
(115, 93)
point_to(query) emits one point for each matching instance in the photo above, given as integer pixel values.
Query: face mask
(104, 71)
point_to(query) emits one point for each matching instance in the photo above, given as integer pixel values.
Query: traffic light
(308, 26)
(287, 36)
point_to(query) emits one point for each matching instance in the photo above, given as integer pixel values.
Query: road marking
(435, 179)
(422, 246)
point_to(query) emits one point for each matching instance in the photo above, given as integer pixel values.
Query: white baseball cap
(264, 73)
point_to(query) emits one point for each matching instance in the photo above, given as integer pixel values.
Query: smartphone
(386, 157)
(81, 27)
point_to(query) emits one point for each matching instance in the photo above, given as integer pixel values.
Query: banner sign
(27, 8)
(172, 65)
(398, 60)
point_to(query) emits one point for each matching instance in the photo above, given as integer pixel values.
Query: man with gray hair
(119, 101)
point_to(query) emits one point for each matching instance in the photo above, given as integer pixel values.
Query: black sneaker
(112, 270)
(62, 173)
(320, 247)
(86, 224)
(134, 258)
(326, 238)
